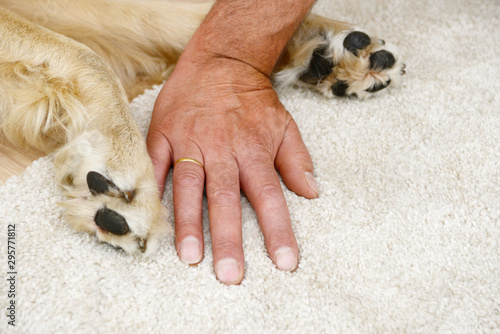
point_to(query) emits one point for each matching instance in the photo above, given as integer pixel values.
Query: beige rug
(405, 236)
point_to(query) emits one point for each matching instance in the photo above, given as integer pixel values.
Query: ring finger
(188, 183)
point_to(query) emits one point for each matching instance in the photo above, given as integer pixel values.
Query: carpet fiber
(403, 238)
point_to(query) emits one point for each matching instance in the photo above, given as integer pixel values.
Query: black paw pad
(382, 60)
(378, 86)
(98, 184)
(340, 88)
(355, 41)
(111, 221)
(320, 66)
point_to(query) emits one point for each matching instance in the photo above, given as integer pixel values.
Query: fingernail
(190, 250)
(312, 183)
(285, 259)
(227, 271)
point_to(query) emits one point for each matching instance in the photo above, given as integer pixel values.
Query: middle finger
(224, 207)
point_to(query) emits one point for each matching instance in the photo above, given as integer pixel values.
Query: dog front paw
(111, 192)
(339, 60)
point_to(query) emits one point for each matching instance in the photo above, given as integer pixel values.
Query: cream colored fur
(69, 68)
(316, 31)
(55, 91)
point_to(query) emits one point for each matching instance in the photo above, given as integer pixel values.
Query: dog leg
(338, 59)
(57, 93)
(140, 40)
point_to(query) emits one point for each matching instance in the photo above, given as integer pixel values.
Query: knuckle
(261, 143)
(269, 192)
(226, 244)
(224, 197)
(301, 162)
(189, 178)
(221, 147)
(187, 222)
(258, 161)
(281, 234)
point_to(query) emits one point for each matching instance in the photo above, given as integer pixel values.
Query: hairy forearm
(251, 31)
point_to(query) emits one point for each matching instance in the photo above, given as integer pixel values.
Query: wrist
(253, 32)
(220, 71)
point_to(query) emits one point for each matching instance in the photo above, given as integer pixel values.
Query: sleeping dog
(69, 68)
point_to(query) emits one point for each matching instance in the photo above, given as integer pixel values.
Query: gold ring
(189, 160)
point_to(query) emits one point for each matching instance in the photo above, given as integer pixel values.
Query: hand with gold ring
(219, 119)
(189, 160)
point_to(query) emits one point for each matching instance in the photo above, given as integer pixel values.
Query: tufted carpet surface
(405, 236)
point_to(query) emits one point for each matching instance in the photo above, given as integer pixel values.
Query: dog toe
(320, 66)
(98, 184)
(382, 60)
(111, 221)
(339, 88)
(355, 41)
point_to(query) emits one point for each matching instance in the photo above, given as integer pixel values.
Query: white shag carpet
(405, 236)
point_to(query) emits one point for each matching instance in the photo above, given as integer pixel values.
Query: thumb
(160, 153)
(294, 164)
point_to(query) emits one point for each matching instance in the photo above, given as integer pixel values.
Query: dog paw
(339, 60)
(111, 192)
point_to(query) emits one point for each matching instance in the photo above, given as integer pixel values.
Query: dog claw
(129, 195)
(142, 243)
(403, 67)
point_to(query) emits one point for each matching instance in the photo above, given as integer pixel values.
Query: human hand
(226, 115)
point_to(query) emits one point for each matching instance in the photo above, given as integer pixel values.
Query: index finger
(160, 154)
